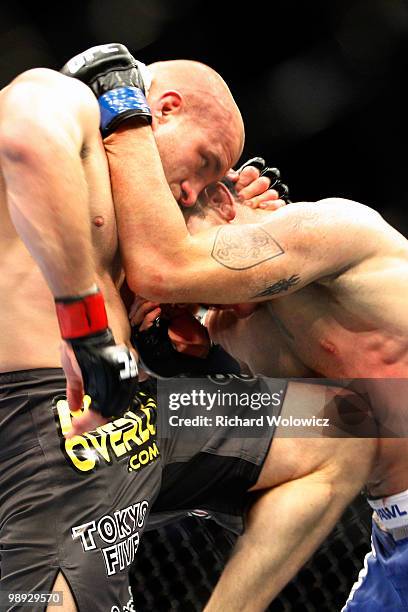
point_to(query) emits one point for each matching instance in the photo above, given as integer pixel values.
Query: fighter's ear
(170, 102)
(221, 200)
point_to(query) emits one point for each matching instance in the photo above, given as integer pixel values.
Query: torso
(335, 331)
(30, 335)
(322, 329)
(354, 326)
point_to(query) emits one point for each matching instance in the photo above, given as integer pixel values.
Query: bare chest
(102, 216)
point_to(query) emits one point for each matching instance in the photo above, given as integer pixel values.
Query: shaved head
(206, 95)
(197, 125)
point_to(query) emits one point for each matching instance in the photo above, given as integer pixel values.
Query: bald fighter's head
(197, 125)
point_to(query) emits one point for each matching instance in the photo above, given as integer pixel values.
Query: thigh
(78, 509)
(208, 469)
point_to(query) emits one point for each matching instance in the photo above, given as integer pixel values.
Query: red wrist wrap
(81, 316)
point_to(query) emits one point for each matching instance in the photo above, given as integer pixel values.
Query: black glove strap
(159, 357)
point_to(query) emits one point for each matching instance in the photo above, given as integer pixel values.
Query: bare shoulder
(344, 210)
(345, 228)
(45, 88)
(368, 230)
(333, 231)
(51, 81)
(328, 213)
(301, 243)
(336, 212)
(46, 98)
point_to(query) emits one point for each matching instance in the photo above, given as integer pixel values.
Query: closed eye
(205, 162)
(212, 163)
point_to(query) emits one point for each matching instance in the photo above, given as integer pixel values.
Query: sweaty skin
(308, 477)
(58, 234)
(258, 340)
(325, 326)
(268, 344)
(306, 482)
(30, 335)
(320, 331)
(74, 177)
(343, 267)
(351, 321)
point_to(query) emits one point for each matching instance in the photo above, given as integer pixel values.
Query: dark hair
(230, 186)
(199, 209)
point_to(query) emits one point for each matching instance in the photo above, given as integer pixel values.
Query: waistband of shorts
(391, 513)
(34, 375)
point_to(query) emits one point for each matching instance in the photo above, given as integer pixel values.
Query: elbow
(14, 144)
(17, 134)
(15, 148)
(162, 276)
(26, 129)
(150, 286)
(162, 284)
(19, 152)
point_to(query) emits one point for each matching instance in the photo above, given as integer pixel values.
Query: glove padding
(109, 372)
(159, 357)
(116, 78)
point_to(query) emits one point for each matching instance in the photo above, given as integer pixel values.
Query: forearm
(162, 261)
(227, 264)
(150, 223)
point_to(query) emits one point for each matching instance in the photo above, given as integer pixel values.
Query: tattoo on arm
(240, 248)
(284, 284)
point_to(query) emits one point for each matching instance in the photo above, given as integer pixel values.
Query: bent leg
(285, 526)
(274, 546)
(305, 485)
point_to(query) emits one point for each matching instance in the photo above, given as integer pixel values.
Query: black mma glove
(116, 79)
(159, 357)
(109, 371)
(273, 175)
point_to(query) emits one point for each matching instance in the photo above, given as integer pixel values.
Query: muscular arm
(297, 245)
(46, 123)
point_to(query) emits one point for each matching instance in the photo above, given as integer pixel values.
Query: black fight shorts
(209, 468)
(78, 507)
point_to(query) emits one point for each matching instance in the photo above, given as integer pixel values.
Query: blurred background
(320, 84)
